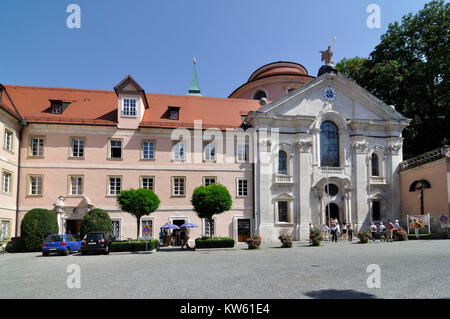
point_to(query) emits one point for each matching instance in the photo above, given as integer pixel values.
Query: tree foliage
(138, 202)
(36, 225)
(211, 200)
(410, 70)
(95, 220)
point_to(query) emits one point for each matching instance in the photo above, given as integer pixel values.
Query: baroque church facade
(334, 153)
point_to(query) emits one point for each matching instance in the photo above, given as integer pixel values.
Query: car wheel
(107, 250)
(67, 252)
(84, 253)
(45, 253)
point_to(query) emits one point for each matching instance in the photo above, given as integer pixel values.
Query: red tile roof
(95, 107)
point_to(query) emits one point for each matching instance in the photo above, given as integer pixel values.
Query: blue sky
(155, 40)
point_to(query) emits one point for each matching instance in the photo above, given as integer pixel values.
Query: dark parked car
(98, 241)
(64, 244)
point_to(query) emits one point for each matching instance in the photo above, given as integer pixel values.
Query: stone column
(360, 205)
(304, 146)
(395, 157)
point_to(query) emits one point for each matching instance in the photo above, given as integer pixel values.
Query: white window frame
(56, 108)
(127, 109)
(238, 187)
(40, 146)
(151, 150)
(111, 147)
(79, 188)
(72, 149)
(7, 190)
(207, 150)
(8, 143)
(209, 177)
(39, 187)
(242, 153)
(115, 185)
(147, 177)
(177, 147)
(178, 187)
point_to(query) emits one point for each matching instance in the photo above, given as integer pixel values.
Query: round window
(331, 189)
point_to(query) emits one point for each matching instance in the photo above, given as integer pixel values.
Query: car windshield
(54, 238)
(94, 236)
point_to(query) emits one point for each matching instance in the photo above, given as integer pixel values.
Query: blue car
(63, 244)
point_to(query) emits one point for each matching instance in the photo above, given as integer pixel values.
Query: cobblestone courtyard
(413, 269)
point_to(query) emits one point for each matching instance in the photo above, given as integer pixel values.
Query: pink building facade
(77, 149)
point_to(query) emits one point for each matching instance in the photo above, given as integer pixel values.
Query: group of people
(335, 230)
(179, 237)
(386, 231)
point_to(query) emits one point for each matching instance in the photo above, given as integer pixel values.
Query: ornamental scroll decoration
(304, 145)
(360, 147)
(395, 148)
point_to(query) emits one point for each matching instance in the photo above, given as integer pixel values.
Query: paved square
(413, 269)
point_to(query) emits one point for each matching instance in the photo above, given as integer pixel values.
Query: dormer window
(56, 109)
(173, 114)
(58, 106)
(129, 107)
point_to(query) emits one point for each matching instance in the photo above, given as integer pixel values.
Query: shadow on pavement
(339, 294)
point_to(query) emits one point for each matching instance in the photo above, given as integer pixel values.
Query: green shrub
(315, 236)
(216, 242)
(286, 240)
(36, 225)
(95, 220)
(133, 245)
(400, 234)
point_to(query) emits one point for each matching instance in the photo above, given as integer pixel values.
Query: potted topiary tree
(36, 225)
(138, 202)
(286, 240)
(254, 242)
(315, 237)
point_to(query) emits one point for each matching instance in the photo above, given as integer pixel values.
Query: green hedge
(217, 242)
(36, 225)
(133, 245)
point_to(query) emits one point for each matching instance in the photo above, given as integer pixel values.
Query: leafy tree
(211, 200)
(36, 225)
(138, 202)
(95, 220)
(410, 70)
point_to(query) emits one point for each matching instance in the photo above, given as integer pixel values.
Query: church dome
(272, 81)
(278, 68)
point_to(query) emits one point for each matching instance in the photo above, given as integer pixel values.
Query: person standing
(373, 230)
(344, 229)
(325, 232)
(416, 228)
(350, 232)
(311, 227)
(382, 232)
(396, 224)
(334, 232)
(389, 228)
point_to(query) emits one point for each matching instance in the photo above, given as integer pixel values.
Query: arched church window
(259, 95)
(375, 168)
(282, 162)
(329, 144)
